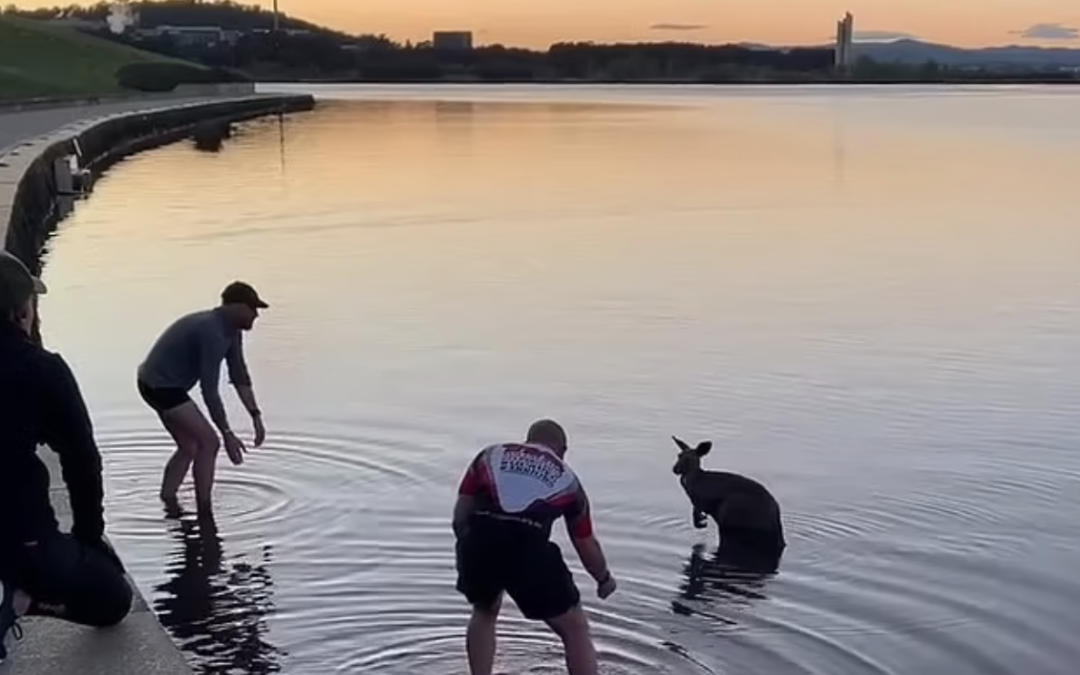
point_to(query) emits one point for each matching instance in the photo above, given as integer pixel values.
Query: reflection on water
(868, 294)
(215, 607)
(720, 579)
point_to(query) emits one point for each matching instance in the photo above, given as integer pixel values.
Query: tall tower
(844, 37)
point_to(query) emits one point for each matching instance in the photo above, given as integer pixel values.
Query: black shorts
(70, 580)
(496, 556)
(162, 398)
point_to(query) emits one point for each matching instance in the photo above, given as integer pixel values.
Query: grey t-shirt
(190, 351)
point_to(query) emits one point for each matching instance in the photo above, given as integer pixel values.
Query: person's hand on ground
(260, 430)
(606, 587)
(234, 448)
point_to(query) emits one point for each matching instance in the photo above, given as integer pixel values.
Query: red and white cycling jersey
(528, 482)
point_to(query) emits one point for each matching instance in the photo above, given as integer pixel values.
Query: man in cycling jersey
(508, 500)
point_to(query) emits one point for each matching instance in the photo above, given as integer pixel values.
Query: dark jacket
(40, 404)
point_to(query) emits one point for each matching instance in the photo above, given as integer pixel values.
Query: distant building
(291, 32)
(193, 35)
(452, 39)
(844, 38)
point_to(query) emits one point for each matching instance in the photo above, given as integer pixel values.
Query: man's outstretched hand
(260, 430)
(606, 587)
(234, 448)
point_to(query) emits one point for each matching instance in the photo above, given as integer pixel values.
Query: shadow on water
(215, 608)
(729, 578)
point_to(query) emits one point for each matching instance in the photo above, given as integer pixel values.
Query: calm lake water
(869, 299)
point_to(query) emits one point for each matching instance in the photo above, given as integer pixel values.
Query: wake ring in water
(288, 475)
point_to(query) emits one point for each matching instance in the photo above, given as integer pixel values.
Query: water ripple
(341, 534)
(905, 393)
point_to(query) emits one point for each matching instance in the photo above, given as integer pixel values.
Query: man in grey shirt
(190, 351)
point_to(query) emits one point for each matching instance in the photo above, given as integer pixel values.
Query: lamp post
(274, 31)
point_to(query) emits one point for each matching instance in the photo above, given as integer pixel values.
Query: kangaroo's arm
(698, 513)
(708, 491)
(698, 517)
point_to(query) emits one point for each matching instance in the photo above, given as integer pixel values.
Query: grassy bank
(41, 60)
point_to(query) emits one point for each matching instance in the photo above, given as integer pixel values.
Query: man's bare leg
(573, 628)
(175, 471)
(480, 638)
(197, 445)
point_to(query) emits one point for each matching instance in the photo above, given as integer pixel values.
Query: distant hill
(916, 52)
(224, 14)
(38, 59)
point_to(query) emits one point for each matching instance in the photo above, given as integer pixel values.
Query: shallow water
(866, 298)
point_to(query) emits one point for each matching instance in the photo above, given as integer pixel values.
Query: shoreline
(677, 83)
(34, 198)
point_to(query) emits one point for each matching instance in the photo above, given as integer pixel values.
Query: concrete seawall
(28, 185)
(29, 211)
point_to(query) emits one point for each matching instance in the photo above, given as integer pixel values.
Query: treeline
(379, 60)
(316, 57)
(867, 70)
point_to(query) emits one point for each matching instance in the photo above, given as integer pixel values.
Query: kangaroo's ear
(703, 448)
(679, 442)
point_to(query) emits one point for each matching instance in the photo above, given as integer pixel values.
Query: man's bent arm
(247, 397)
(463, 508)
(208, 382)
(580, 528)
(472, 484)
(70, 434)
(241, 377)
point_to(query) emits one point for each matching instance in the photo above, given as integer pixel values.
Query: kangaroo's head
(689, 459)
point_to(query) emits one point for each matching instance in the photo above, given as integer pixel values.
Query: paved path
(16, 127)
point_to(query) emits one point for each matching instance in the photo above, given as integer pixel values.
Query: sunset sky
(537, 23)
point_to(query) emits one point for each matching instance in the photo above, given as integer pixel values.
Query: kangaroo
(744, 510)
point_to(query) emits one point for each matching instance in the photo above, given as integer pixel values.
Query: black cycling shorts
(497, 556)
(162, 398)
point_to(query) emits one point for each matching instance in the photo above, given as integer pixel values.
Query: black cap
(17, 285)
(240, 293)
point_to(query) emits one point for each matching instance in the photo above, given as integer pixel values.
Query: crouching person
(508, 500)
(45, 572)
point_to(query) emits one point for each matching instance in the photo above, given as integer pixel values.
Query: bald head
(549, 433)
